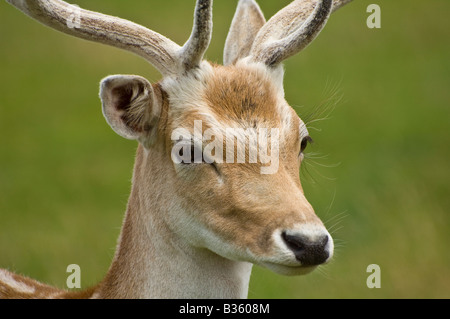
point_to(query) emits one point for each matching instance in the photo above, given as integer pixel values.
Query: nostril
(295, 243)
(309, 251)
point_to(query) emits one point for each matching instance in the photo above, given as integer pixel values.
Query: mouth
(299, 250)
(287, 270)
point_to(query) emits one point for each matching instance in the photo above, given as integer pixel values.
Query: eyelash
(193, 160)
(304, 143)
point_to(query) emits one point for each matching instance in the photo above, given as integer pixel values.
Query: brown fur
(242, 95)
(40, 290)
(191, 231)
(244, 212)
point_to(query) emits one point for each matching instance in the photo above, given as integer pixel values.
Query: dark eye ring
(304, 144)
(195, 156)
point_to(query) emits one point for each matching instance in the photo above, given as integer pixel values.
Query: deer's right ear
(130, 106)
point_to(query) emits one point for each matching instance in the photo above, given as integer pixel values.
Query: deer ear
(247, 22)
(130, 106)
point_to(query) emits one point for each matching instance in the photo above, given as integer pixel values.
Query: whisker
(323, 110)
(318, 173)
(323, 271)
(315, 155)
(337, 218)
(325, 165)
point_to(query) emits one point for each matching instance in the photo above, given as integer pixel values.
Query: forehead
(244, 96)
(232, 97)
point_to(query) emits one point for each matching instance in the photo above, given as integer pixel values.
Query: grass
(380, 181)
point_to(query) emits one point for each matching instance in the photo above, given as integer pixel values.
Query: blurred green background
(379, 177)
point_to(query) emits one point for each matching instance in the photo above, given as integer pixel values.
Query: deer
(194, 229)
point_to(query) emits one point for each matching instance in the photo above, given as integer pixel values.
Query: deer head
(220, 148)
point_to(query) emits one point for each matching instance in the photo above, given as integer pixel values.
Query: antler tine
(194, 49)
(338, 4)
(292, 29)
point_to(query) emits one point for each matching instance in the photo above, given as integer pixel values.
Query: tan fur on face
(245, 96)
(242, 208)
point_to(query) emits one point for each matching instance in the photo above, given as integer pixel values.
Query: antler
(292, 29)
(339, 3)
(194, 49)
(167, 56)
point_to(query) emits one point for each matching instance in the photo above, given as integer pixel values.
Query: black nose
(308, 251)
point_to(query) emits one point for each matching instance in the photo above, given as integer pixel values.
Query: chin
(289, 270)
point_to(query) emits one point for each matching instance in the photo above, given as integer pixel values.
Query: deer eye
(187, 152)
(304, 143)
(190, 154)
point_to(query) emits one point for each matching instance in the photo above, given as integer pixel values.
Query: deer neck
(151, 261)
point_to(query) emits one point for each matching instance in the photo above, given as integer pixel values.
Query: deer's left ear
(130, 106)
(247, 22)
